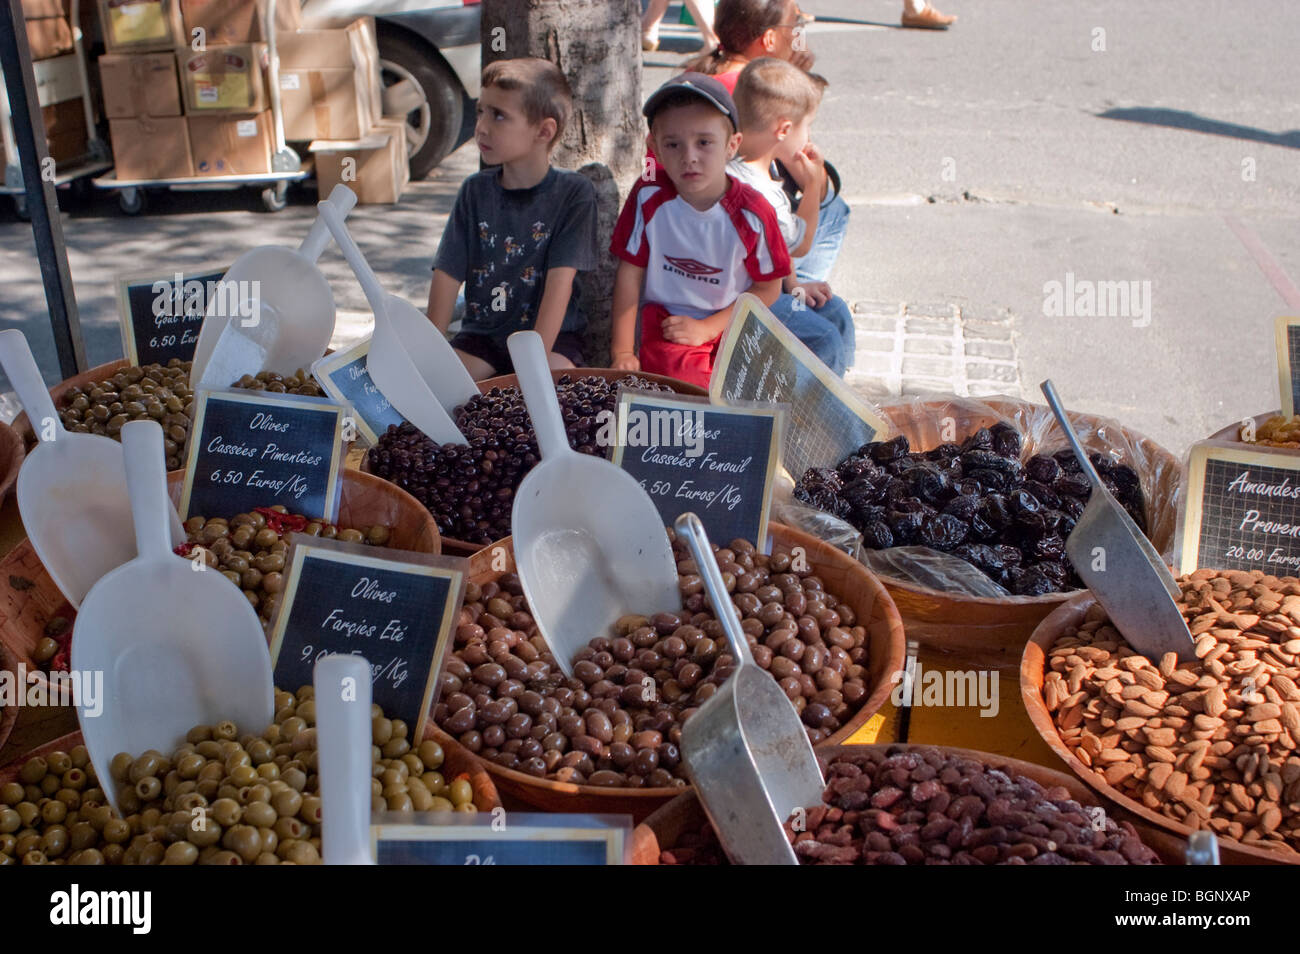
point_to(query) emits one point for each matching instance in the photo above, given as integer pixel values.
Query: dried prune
(995, 511)
(1073, 485)
(862, 493)
(1006, 440)
(987, 558)
(905, 526)
(1045, 494)
(1042, 468)
(883, 451)
(963, 508)
(993, 480)
(876, 535)
(1050, 546)
(1033, 582)
(1022, 501)
(942, 532)
(822, 476)
(943, 452)
(855, 468)
(928, 484)
(980, 440)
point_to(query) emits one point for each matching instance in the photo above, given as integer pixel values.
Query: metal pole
(47, 227)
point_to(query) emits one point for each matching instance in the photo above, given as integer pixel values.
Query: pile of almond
(1209, 743)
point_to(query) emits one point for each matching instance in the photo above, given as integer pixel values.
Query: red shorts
(693, 363)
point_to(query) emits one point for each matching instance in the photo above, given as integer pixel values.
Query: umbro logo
(691, 266)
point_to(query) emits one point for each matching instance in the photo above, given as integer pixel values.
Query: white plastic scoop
(589, 544)
(1117, 562)
(176, 646)
(746, 750)
(343, 752)
(273, 310)
(71, 488)
(409, 360)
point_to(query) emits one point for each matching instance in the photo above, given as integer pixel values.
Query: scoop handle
(343, 739)
(146, 483)
(20, 366)
(1054, 403)
(689, 527)
(344, 200)
(529, 358)
(347, 245)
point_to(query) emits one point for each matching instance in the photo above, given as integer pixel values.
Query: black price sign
(345, 378)
(761, 361)
(1243, 510)
(502, 839)
(161, 315)
(1288, 363)
(393, 607)
(253, 449)
(691, 456)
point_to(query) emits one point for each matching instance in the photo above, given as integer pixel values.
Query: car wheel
(420, 86)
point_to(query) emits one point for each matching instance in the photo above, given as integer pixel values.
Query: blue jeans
(832, 223)
(827, 331)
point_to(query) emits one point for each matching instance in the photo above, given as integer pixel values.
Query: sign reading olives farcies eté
(252, 449)
(393, 607)
(691, 456)
(1243, 509)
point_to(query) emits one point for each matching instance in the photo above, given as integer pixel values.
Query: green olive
(33, 770)
(45, 649)
(181, 853)
(11, 793)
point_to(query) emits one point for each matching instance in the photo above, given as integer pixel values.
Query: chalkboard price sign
(761, 361)
(502, 838)
(393, 607)
(161, 315)
(253, 449)
(690, 456)
(1288, 362)
(1243, 509)
(345, 378)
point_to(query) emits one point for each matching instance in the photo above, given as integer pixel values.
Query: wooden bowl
(96, 374)
(844, 577)
(12, 453)
(9, 713)
(991, 631)
(454, 547)
(661, 830)
(486, 797)
(1032, 672)
(29, 598)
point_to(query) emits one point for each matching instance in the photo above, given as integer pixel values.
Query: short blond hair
(545, 91)
(770, 90)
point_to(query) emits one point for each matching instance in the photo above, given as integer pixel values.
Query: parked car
(429, 58)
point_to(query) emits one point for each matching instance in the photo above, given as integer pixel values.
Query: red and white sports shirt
(697, 262)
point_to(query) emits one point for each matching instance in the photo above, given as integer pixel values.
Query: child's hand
(814, 294)
(626, 361)
(803, 59)
(808, 167)
(683, 330)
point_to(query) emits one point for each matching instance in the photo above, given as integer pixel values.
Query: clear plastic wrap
(822, 525)
(928, 420)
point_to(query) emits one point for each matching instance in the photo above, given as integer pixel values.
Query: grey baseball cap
(707, 88)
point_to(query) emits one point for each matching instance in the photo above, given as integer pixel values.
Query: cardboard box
(57, 79)
(231, 145)
(42, 9)
(224, 79)
(375, 167)
(141, 84)
(237, 21)
(329, 82)
(65, 130)
(151, 147)
(136, 25)
(49, 37)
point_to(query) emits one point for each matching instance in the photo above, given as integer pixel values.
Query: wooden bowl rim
(870, 705)
(99, 372)
(1032, 672)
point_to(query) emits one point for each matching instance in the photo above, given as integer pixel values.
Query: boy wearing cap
(691, 238)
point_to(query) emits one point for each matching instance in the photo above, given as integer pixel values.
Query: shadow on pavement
(1182, 119)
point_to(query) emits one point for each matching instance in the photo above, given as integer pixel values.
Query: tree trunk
(597, 45)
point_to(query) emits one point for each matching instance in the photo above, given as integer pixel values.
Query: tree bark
(597, 45)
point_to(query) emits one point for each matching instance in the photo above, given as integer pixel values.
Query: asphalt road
(1104, 140)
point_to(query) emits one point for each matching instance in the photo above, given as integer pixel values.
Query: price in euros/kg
(162, 341)
(232, 477)
(660, 488)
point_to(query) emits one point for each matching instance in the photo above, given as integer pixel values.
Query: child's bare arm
(555, 302)
(682, 329)
(627, 294)
(442, 299)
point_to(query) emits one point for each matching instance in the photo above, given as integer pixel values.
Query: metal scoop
(1118, 563)
(71, 488)
(343, 750)
(176, 644)
(746, 750)
(409, 360)
(290, 300)
(589, 543)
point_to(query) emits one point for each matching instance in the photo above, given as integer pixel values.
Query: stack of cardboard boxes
(58, 86)
(185, 85)
(330, 93)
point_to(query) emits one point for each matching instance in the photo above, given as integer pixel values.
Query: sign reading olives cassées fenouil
(494, 839)
(252, 449)
(1288, 362)
(761, 361)
(345, 378)
(694, 457)
(393, 607)
(161, 315)
(1243, 509)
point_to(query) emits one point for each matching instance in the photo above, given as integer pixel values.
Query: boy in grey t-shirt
(520, 231)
